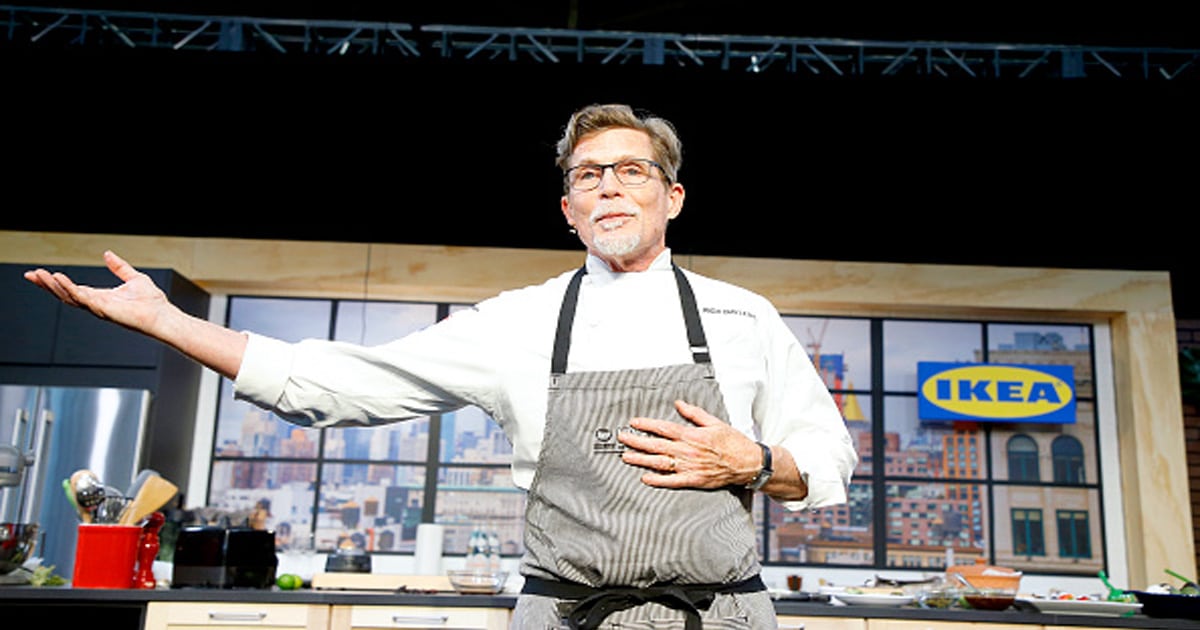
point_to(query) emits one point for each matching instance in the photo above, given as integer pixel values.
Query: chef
(646, 404)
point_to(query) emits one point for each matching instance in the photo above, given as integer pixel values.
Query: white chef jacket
(497, 356)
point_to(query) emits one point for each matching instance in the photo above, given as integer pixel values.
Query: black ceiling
(1073, 174)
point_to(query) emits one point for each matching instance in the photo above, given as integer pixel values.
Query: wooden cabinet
(790, 622)
(40, 331)
(368, 617)
(917, 624)
(238, 616)
(235, 616)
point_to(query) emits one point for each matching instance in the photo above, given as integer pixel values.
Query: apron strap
(691, 317)
(566, 318)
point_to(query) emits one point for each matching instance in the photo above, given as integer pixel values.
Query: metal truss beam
(53, 27)
(803, 57)
(813, 56)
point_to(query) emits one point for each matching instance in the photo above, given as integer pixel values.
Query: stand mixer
(18, 536)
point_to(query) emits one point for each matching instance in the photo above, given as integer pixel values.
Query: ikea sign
(996, 392)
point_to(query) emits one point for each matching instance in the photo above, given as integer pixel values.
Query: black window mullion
(315, 508)
(878, 449)
(985, 454)
(433, 450)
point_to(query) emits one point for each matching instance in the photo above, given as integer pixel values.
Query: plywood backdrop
(1136, 304)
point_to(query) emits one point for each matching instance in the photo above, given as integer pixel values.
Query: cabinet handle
(236, 616)
(420, 621)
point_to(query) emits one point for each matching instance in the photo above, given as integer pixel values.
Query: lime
(289, 581)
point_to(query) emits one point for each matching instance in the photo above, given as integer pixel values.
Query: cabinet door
(442, 618)
(792, 622)
(235, 616)
(38, 330)
(83, 339)
(28, 319)
(916, 624)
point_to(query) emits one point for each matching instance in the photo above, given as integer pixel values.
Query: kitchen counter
(66, 600)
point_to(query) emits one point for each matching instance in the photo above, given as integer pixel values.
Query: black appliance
(218, 557)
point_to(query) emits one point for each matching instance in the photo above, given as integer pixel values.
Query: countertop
(135, 597)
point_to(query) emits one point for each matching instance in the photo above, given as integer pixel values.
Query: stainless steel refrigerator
(61, 430)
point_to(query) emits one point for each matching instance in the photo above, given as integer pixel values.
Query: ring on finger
(673, 463)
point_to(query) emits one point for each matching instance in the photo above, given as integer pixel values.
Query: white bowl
(478, 582)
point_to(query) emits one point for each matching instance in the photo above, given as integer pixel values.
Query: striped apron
(604, 550)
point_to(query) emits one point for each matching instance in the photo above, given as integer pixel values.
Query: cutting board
(380, 582)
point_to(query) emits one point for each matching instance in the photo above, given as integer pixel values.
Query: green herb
(45, 576)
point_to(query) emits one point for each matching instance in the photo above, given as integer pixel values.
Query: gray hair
(668, 150)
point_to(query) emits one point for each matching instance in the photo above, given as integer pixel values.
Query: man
(671, 397)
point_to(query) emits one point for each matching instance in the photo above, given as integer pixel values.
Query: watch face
(761, 479)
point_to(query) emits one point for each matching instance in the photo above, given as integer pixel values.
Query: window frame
(1104, 418)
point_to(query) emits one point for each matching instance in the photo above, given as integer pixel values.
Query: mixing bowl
(17, 541)
(984, 576)
(478, 582)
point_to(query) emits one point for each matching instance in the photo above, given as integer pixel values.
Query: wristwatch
(765, 473)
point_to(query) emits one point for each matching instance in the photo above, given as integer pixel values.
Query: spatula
(154, 493)
(141, 478)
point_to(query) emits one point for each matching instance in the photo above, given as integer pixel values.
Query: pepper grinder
(148, 551)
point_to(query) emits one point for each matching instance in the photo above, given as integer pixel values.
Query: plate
(1082, 606)
(872, 599)
(798, 595)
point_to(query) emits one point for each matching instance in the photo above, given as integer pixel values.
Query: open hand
(136, 304)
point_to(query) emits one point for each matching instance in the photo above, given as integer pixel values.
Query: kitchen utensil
(79, 511)
(154, 493)
(1189, 587)
(1115, 594)
(89, 492)
(965, 582)
(110, 507)
(140, 480)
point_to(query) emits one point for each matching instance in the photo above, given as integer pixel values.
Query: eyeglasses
(634, 172)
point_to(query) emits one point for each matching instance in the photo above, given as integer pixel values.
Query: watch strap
(764, 474)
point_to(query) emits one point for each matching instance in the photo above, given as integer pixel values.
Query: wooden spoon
(154, 493)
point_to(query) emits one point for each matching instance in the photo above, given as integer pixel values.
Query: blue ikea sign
(996, 392)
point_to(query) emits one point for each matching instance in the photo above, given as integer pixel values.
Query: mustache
(611, 207)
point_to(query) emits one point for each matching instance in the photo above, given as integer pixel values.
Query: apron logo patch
(606, 441)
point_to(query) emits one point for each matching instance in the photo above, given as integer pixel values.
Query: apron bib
(591, 522)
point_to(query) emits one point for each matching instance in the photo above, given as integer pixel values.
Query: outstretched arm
(138, 304)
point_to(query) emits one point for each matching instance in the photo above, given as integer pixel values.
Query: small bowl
(986, 577)
(939, 597)
(17, 542)
(478, 582)
(990, 598)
